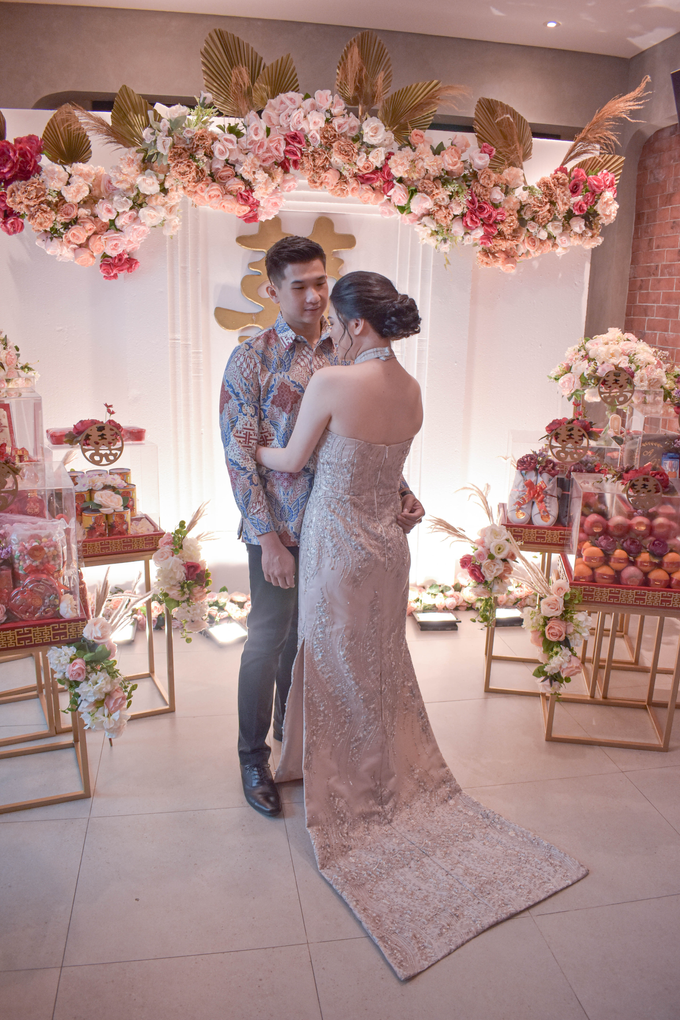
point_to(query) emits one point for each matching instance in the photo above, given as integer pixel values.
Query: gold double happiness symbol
(102, 444)
(616, 388)
(644, 492)
(268, 232)
(569, 443)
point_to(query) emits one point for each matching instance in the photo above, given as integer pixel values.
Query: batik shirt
(264, 382)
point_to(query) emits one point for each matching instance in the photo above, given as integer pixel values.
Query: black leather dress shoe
(260, 789)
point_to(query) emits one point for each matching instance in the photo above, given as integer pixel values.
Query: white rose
(500, 548)
(109, 500)
(377, 157)
(163, 555)
(97, 630)
(148, 184)
(374, 131)
(493, 533)
(559, 587)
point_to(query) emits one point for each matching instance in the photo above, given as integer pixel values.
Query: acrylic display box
(21, 422)
(108, 531)
(39, 581)
(620, 548)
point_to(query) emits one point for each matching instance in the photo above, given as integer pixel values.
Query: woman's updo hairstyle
(374, 298)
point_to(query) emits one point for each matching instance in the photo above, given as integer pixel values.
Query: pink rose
(578, 174)
(556, 630)
(465, 561)
(86, 222)
(76, 235)
(116, 700)
(552, 605)
(84, 257)
(575, 188)
(105, 210)
(417, 137)
(580, 206)
(399, 195)
(192, 570)
(572, 668)
(224, 174)
(559, 586)
(115, 243)
(536, 638)
(476, 574)
(166, 540)
(77, 671)
(330, 178)
(124, 219)
(420, 204)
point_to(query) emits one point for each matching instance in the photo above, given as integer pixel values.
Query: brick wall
(654, 290)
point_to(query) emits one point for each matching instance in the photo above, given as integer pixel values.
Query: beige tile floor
(165, 897)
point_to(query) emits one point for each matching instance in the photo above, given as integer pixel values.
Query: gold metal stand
(46, 690)
(168, 695)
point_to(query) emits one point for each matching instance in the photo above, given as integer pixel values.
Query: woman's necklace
(384, 353)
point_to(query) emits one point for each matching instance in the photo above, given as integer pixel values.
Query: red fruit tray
(116, 545)
(623, 595)
(16, 636)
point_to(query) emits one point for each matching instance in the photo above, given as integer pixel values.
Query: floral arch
(252, 136)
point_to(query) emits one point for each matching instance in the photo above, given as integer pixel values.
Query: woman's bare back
(376, 401)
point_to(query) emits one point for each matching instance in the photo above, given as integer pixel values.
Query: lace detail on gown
(424, 867)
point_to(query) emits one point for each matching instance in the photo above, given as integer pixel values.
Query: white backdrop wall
(149, 344)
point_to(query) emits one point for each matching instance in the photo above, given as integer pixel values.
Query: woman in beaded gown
(423, 866)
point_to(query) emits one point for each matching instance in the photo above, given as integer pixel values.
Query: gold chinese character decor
(616, 388)
(644, 492)
(267, 234)
(568, 443)
(102, 444)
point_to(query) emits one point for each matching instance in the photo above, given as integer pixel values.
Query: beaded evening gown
(424, 867)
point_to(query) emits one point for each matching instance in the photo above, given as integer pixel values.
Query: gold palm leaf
(499, 125)
(276, 78)
(364, 73)
(601, 133)
(607, 161)
(64, 139)
(130, 116)
(414, 106)
(230, 69)
(97, 127)
(3, 127)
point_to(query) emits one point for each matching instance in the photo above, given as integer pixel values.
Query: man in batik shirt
(264, 382)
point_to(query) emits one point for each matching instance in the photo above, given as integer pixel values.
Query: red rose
(580, 207)
(465, 561)
(475, 573)
(596, 184)
(27, 164)
(32, 142)
(577, 174)
(486, 212)
(662, 477)
(488, 149)
(8, 161)
(83, 424)
(12, 225)
(555, 424)
(575, 188)
(471, 220)
(193, 571)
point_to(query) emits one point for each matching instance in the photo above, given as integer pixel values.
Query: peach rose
(66, 212)
(559, 586)
(87, 223)
(76, 235)
(556, 630)
(96, 244)
(97, 630)
(572, 668)
(84, 257)
(116, 700)
(536, 638)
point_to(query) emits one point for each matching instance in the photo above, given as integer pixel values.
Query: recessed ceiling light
(553, 24)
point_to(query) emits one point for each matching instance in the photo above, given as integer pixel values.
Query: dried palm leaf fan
(64, 140)
(364, 73)
(506, 130)
(608, 161)
(3, 127)
(237, 78)
(413, 107)
(597, 141)
(129, 118)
